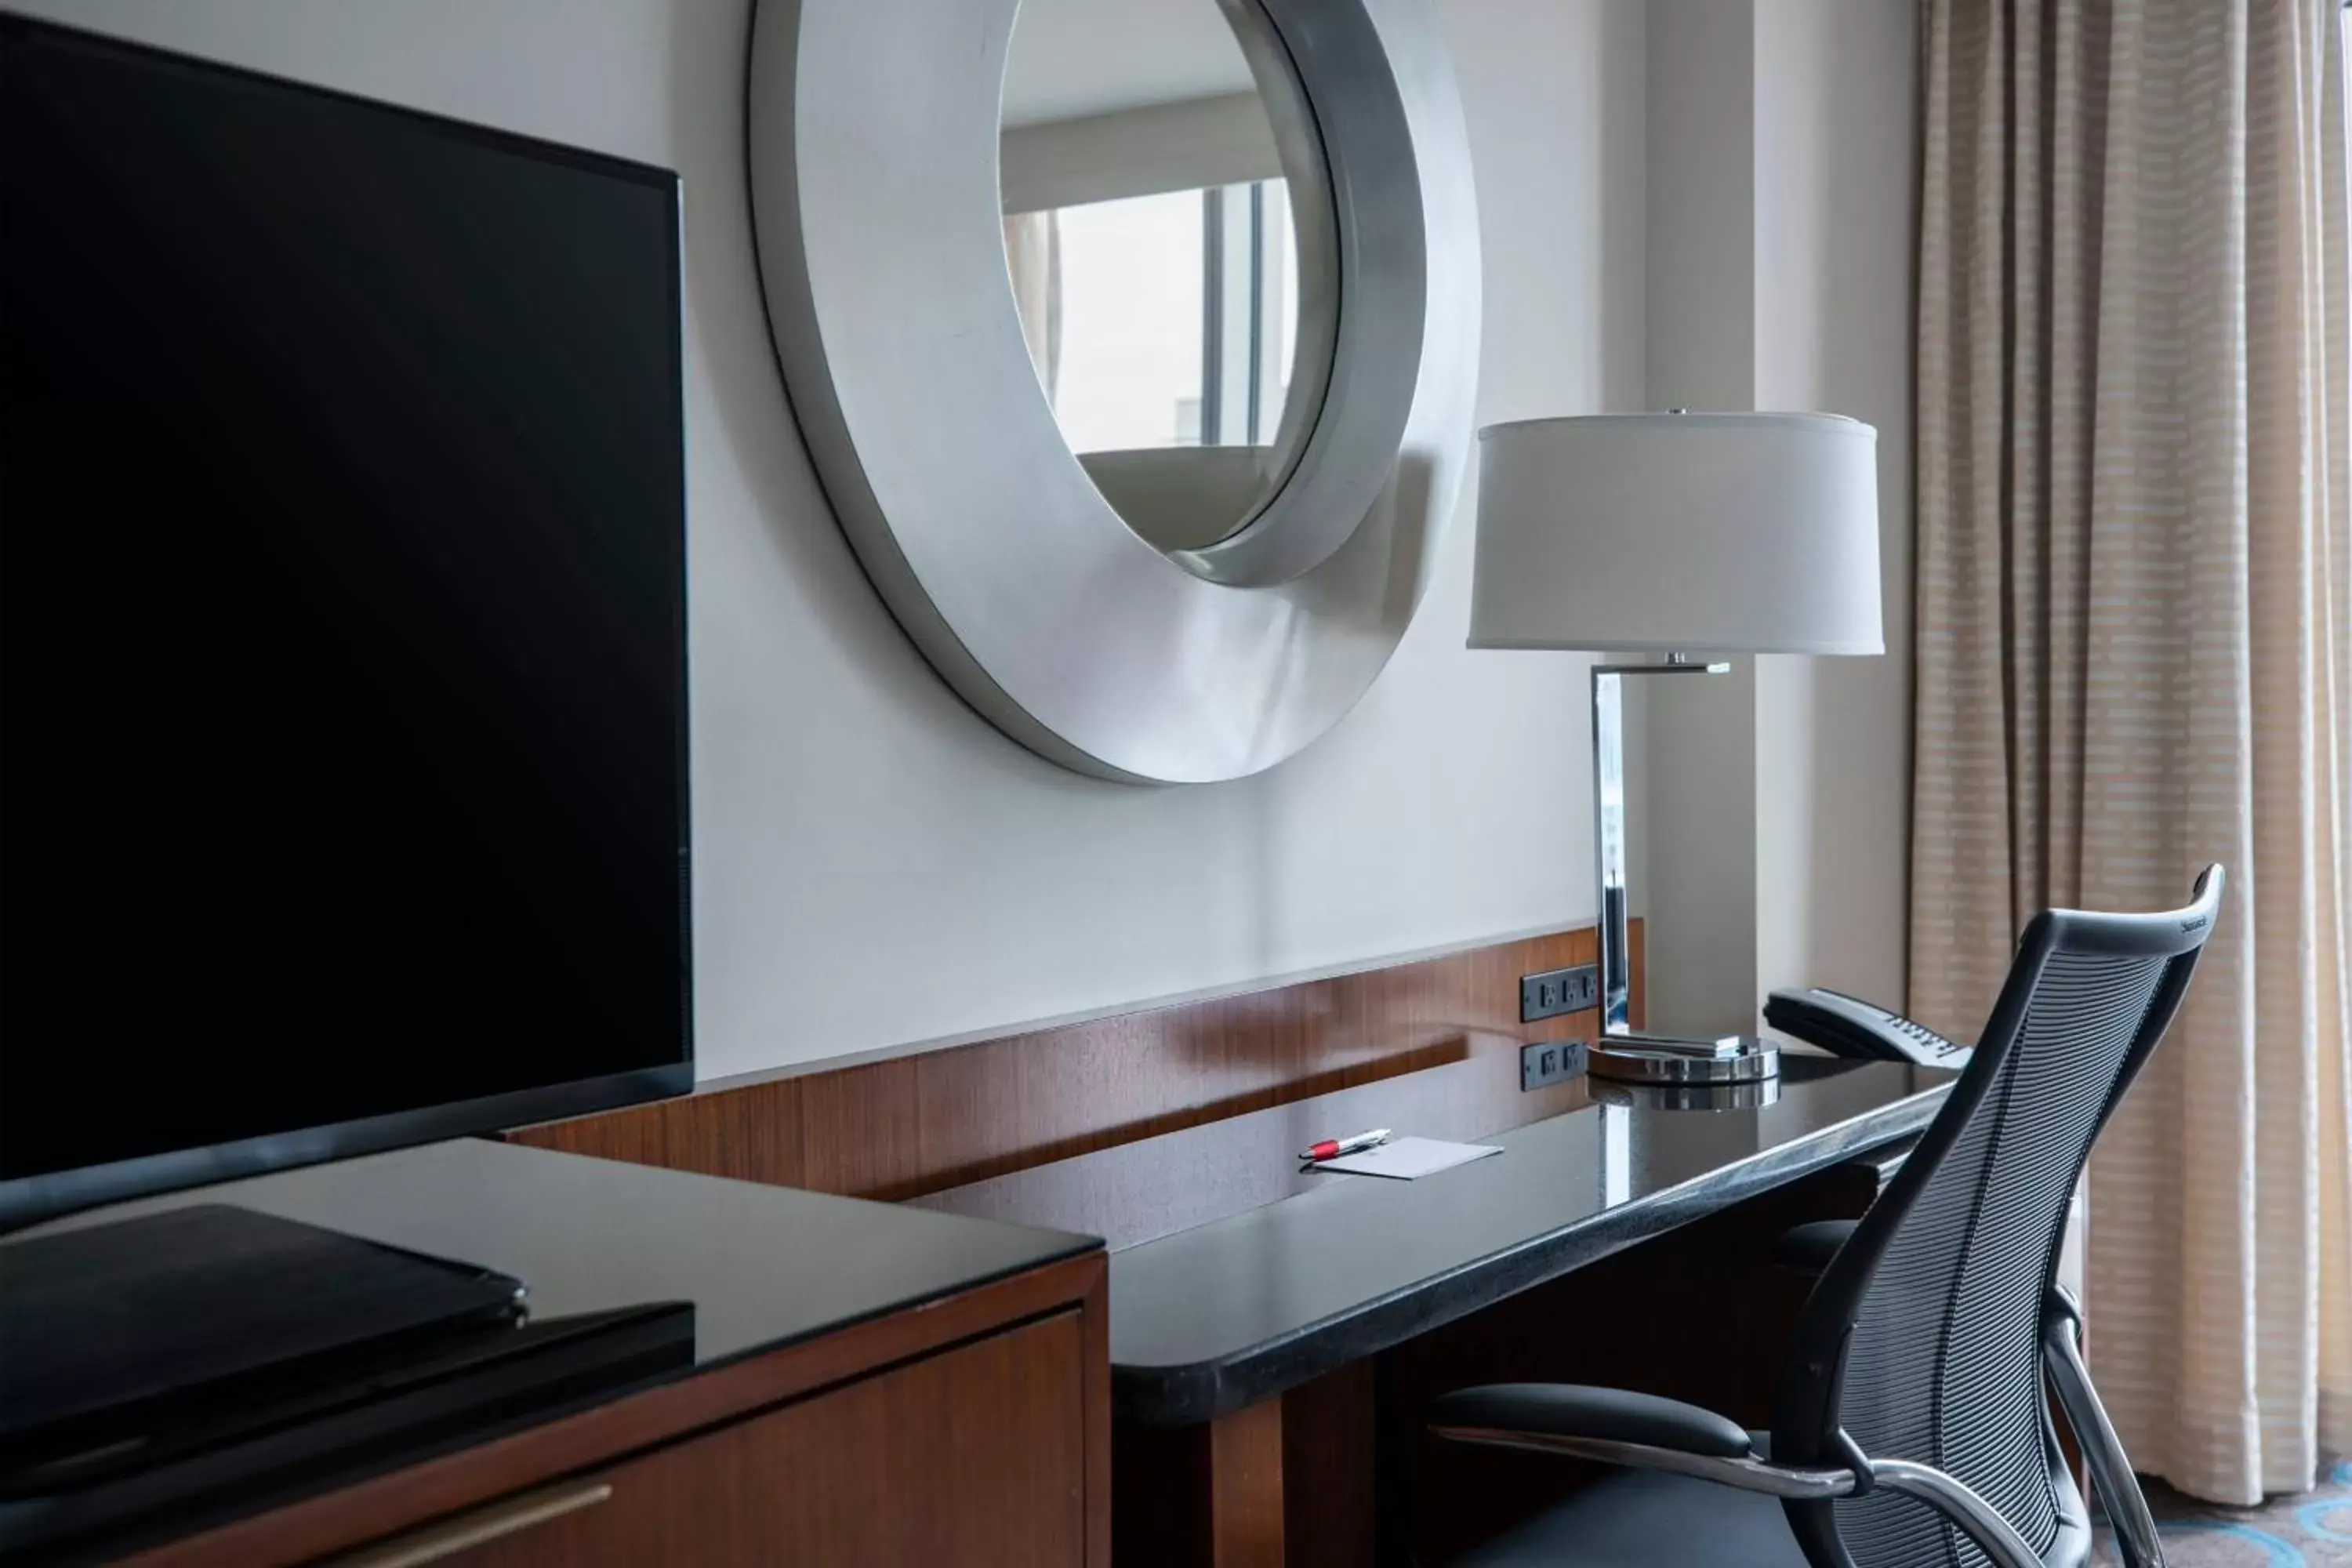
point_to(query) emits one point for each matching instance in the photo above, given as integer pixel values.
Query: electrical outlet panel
(1547, 1062)
(1557, 991)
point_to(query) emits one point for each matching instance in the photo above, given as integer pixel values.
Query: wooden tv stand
(870, 1384)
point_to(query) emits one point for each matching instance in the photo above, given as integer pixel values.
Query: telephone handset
(1848, 1028)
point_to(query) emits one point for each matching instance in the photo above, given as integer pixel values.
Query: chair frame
(1815, 1462)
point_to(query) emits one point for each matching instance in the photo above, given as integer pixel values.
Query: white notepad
(1405, 1158)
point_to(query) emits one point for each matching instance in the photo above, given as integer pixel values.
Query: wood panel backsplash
(913, 1124)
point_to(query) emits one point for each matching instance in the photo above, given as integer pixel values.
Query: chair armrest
(1646, 1432)
(1603, 1415)
(1807, 1248)
(1640, 1431)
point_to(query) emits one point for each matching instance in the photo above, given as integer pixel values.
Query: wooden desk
(1240, 1284)
(866, 1383)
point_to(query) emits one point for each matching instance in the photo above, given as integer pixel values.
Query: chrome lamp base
(1653, 1059)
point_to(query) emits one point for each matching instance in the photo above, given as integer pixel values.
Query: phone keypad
(1926, 1037)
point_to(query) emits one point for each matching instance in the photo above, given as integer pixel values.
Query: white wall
(852, 817)
(1781, 183)
(1836, 181)
(1700, 935)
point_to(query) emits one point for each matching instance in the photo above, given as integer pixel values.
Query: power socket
(1547, 1062)
(1557, 991)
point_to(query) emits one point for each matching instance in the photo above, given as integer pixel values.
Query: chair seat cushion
(1641, 1519)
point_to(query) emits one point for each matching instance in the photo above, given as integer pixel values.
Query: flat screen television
(342, 627)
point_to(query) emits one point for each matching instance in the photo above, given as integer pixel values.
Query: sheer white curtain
(1033, 253)
(2135, 651)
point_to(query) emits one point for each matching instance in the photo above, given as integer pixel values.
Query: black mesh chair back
(1924, 1338)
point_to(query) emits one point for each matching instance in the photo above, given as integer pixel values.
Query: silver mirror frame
(872, 131)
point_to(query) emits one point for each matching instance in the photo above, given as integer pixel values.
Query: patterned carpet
(2309, 1530)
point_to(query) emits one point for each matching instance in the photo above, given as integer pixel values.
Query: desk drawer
(972, 1456)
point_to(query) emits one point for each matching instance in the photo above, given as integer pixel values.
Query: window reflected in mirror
(1161, 320)
(1154, 252)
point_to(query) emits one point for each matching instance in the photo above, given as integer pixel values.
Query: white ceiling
(1071, 57)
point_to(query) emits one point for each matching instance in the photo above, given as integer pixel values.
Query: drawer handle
(435, 1542)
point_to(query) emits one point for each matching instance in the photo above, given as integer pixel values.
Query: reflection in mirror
(1166, 231)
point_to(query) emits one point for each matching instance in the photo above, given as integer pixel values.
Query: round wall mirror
(1168, 239)
(1135, 342)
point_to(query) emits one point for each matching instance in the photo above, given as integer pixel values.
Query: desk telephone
(1845, 1027)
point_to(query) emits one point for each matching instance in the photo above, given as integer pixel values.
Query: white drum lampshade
(1695, 533)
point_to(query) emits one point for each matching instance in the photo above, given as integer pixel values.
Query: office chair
(1910, 1429)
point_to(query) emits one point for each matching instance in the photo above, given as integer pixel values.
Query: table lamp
(1682, 535)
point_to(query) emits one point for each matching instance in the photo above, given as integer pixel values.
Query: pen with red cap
(1332, 1148)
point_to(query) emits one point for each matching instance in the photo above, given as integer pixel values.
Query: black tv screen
(342, 791)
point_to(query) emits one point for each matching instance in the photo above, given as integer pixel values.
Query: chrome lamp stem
(1608, 822)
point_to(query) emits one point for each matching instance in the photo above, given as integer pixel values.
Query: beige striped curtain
(2135, 651)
